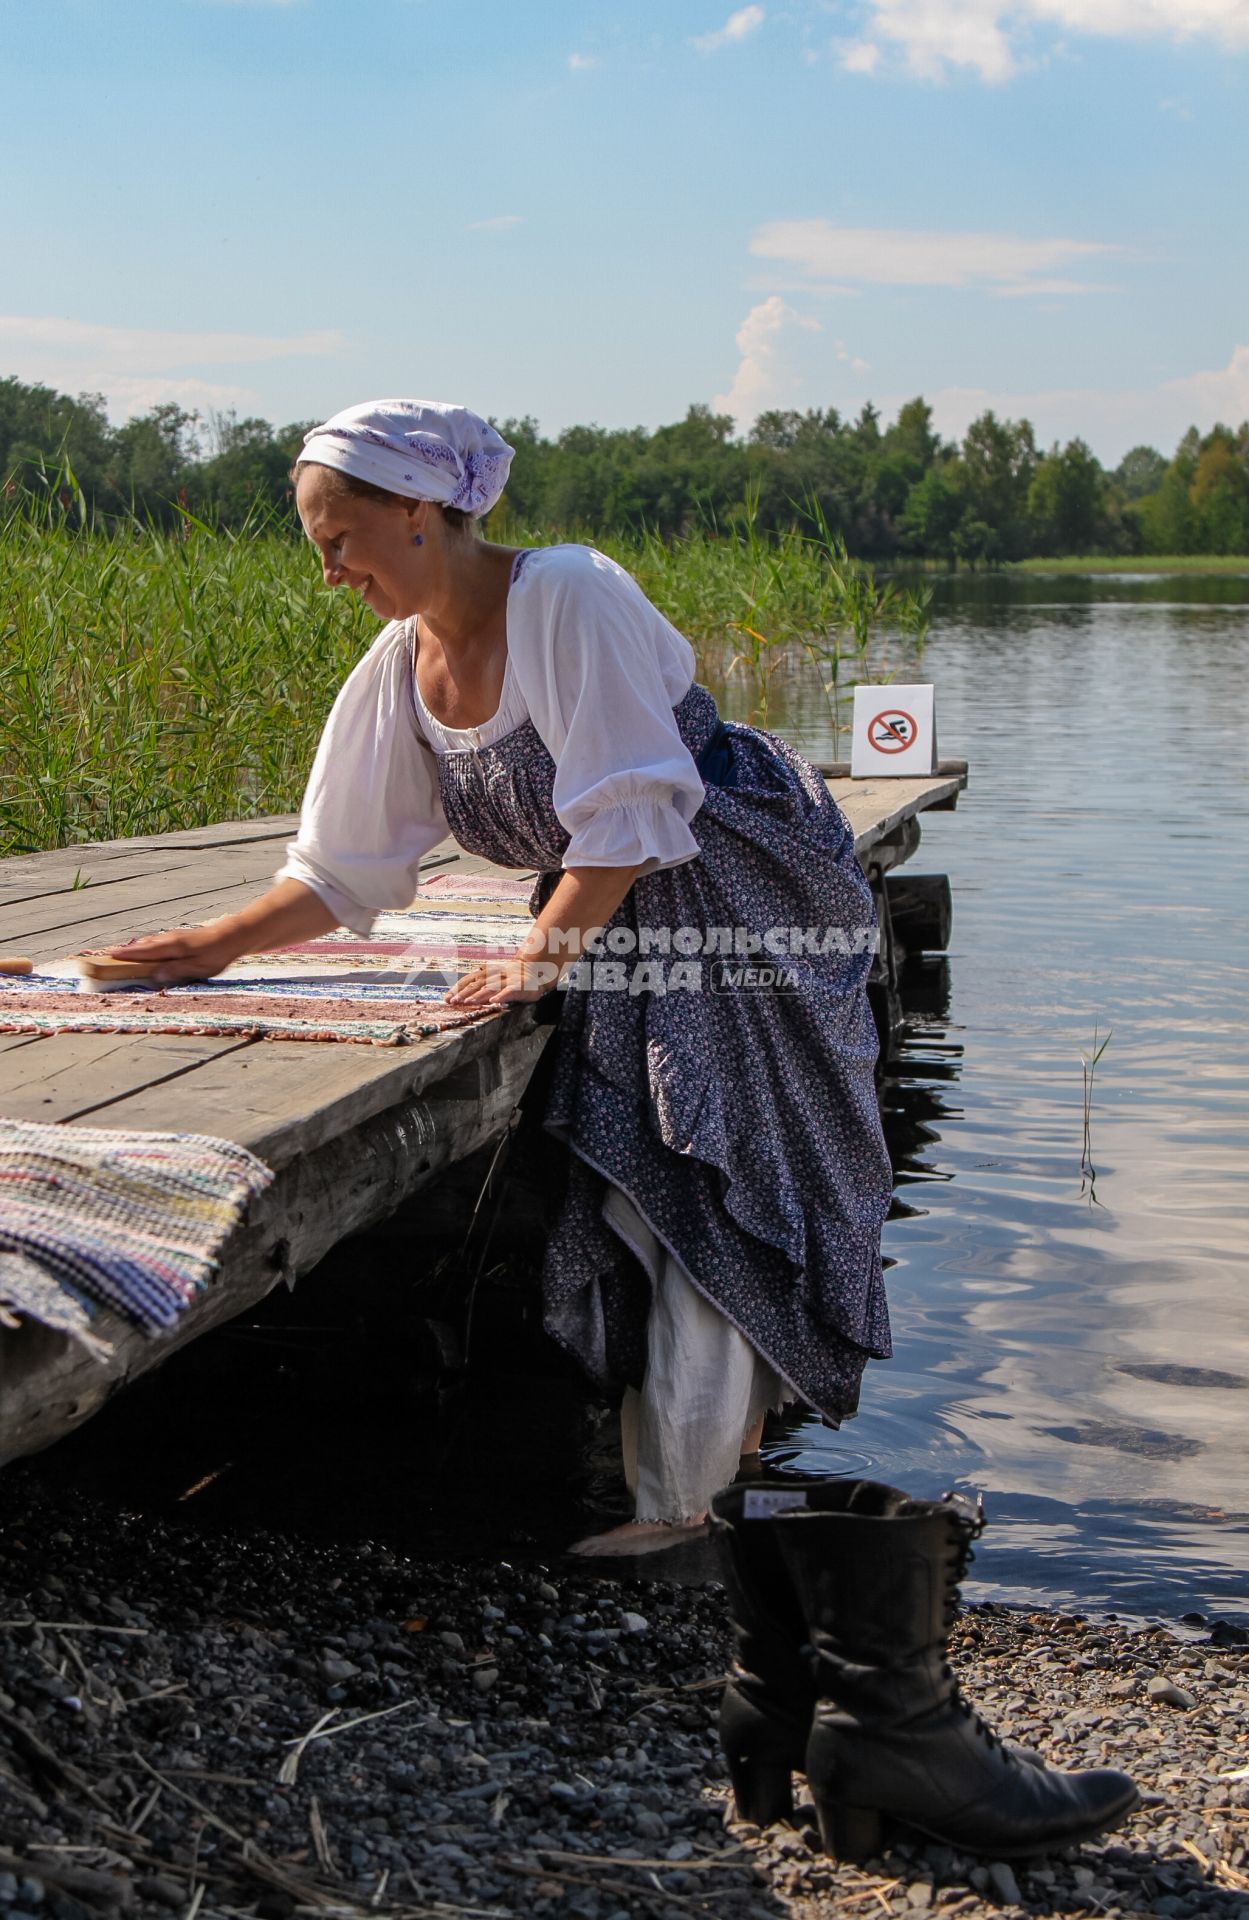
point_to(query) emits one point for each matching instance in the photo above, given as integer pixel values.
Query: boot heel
(852, 1834)
(762, 1788)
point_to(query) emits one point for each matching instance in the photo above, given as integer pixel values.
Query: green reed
(154, 679)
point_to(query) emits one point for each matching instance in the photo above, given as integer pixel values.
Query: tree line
(890, 492)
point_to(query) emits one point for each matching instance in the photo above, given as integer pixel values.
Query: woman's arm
(288, 913)
(579, 908)
(371, 812)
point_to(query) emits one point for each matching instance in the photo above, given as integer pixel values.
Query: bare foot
(638, 1536)
(752, 1439)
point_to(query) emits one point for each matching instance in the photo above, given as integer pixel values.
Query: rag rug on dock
(384, 990)
(95, 1217)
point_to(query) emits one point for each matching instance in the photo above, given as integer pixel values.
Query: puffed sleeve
(601, 671)
(372, 808)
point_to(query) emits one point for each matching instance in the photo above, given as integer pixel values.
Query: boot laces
(969, 1523)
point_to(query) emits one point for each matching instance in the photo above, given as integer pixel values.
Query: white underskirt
(705, 1386)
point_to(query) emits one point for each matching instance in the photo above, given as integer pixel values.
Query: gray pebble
(1001, 1879)
(333, 1668)
(166, 1893)
(1165, 1693)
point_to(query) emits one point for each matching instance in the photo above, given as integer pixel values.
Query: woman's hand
(288, 914)
(579, 908)
(503, 983)
(197, 953)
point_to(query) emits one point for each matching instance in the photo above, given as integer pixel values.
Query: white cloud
(582, 62)
(1002, 263)
(138, 367)
(1219, 395)
(859, 56)
(738, 26)
(126, 394)
(150, 349)
(764, 377)
(497, 223)
(1111, 420)
(987, 36)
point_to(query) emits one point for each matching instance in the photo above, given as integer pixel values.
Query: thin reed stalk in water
(1088, 1067)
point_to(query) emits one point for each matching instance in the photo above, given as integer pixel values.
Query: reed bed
(153, 679)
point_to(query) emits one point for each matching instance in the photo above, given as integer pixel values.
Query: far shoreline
(1161, 563)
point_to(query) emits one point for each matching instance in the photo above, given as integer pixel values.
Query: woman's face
(366, 545)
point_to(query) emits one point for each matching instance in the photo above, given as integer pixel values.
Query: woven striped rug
(386, 990)
(94, 1217)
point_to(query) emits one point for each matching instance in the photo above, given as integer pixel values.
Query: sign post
(895, 732)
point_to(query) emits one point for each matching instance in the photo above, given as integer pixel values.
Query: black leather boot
(765, 1711)
(770, 1695)
(891, 1737)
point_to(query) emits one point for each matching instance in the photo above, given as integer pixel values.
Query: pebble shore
(251, 1725)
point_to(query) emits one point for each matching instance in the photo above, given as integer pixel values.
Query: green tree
(150, 459)
(998, 461)
(1220, 494)
(1167, 520)
(1065, 500)
(247, 471)
(905, 455)
(40, 428)
(1139, 472)
(934, 510)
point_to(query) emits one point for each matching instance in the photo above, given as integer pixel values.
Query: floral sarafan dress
(713, 1079)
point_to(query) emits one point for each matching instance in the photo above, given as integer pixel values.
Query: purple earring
(418, 539)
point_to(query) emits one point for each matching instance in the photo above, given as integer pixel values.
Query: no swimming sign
(895, 731)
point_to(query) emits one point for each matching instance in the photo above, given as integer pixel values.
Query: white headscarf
(422, 449)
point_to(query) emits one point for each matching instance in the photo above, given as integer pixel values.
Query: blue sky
(592, 212)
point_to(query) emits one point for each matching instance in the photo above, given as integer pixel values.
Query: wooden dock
(350, 1131)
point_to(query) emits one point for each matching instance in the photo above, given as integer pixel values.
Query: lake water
(1082, 1359)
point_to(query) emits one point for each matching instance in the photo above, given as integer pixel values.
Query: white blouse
(598, 670)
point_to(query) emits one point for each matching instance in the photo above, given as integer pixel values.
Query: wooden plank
(32, 875)
(190, 870)
(48, 1386)
(112, 930)
(286, 1097)
(115, 900)
(9, 1042)
(75, 1076)
(62, 942)
(840, 769)
(64, 922)
(875, 807)
(54, 862)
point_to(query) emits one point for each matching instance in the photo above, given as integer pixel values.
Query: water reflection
(1083, 1364)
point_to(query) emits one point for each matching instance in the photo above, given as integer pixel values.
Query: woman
(717, 1248)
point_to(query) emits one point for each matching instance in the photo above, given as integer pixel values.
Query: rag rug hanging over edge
(94, 1217)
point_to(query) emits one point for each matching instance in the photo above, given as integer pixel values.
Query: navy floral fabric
(742, 1122)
